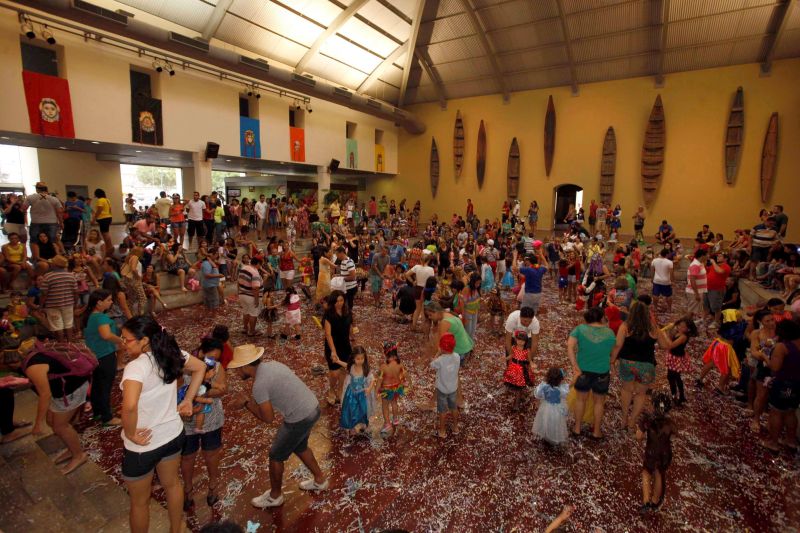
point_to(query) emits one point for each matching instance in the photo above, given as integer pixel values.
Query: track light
(157, 66)
(169, 68)
(27, 28)
(249, 93)
(48, 36)
(258, 96)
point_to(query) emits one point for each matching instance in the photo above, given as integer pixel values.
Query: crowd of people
(441, 279)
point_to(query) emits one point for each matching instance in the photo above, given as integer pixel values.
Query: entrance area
(565, 196)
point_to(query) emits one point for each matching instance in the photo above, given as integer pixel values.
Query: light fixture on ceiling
(158, 66)
(48, 36)
(138, 151)
(27, 27)
(227, 160)
(309, 109)
(169, 68)
(62, 147)
(5, 138)
(95, 142)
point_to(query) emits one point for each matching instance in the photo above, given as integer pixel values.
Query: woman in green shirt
(589, 347)
(101, 335)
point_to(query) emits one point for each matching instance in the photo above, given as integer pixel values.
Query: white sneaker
(310, 484)
(265, 500)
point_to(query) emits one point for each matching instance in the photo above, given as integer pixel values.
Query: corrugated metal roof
(609, 39)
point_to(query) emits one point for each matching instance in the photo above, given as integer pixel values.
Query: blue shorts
(207, 441)
(662, 290)
(562, 282)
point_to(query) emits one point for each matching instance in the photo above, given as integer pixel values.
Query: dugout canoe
(653, 152)
(481, 159)
(608, 166)
(434, 167)
(734, 136)
(769, 157)
(458, 144)
(513, 169)
(549, 135)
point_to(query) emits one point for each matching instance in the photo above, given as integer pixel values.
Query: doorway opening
(565, 196)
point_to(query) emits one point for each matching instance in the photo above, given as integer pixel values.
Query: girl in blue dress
(358, 398)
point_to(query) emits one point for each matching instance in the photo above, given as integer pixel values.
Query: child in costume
(392, 385)
(678, 361)
(658, 429)
(497, 311)
(518, 376)
(358, 396)
(293, 315)
(550, 423)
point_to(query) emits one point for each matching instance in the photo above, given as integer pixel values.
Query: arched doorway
(564, 196)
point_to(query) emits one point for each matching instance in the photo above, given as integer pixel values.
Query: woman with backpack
(62, 381)
(152, 429)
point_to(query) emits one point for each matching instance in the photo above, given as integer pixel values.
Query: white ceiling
(474, 47)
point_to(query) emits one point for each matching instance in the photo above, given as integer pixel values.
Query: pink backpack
(76, 358)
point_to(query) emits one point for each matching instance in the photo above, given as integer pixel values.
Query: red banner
(297, 144)
(49, 106)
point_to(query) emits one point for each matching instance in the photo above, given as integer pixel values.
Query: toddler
(293, 315)
(202, 405)
(659, 430)
(678, 361)
(518, 370)
(446, 365)
(358, 398)
(550, 423)
(391, 384)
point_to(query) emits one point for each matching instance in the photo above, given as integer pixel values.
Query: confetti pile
(493, 476)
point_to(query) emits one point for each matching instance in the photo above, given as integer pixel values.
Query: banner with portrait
(49, 105)
(297, 144)
(380, 158)
(351, 149)
(249, 137)
(146, 120)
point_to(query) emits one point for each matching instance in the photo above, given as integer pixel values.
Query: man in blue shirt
(534, 270)
(396, 253)
(72, 224)
(665, 233)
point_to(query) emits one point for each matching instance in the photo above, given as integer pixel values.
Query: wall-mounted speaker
(212, 150)
(334, 165)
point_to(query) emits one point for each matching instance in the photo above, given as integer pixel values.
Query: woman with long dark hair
(101, 335)
(152, 430)
(338, 323)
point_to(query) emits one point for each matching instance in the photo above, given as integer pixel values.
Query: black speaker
(212, 150)
(334, 165)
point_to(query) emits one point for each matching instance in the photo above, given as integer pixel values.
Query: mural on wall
(297, 144)
(249, 137)
(49, 104)
(351, 149)
(734, 137)
(380, 158)
(146, 124)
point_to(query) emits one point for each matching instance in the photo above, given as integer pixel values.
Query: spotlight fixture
(249, 93)
(48, 36)
(157, 66)
(27, 28)
(258, 96)
(169, 68)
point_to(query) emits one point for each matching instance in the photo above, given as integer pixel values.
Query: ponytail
(163, 346)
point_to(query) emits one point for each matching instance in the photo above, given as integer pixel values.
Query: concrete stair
(38, 498)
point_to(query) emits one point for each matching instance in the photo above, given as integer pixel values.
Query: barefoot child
(518, 376)
(678, 361)
(391, 384)
(446, 365)
(550, 423)
(358, 397)
(269, 312)
(659, 430)
(293, 315)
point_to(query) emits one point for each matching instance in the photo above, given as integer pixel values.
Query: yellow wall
(693, 189)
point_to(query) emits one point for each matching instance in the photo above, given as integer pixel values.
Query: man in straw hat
(59, 295)
(276, 387)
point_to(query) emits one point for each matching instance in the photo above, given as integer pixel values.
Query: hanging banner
(351, 147)
(49, 105)
(380, 158)
(297, 144)
(249, 137)
(146, 120)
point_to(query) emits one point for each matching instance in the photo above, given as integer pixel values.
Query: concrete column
(202, 173)
(187, 179)
(323, 187)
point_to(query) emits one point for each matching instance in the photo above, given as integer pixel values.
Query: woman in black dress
(338, 325)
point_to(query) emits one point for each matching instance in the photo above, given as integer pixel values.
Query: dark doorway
(565, 196)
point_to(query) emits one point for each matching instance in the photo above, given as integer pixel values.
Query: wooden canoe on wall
(734, 137)
(434, 167)
(608, 166)
(653, 152)
(481, 159)
(549, 135)
(769, 157)
(458, 144)
(513, 169)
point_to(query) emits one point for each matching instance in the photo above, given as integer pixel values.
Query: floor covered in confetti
(493, 476)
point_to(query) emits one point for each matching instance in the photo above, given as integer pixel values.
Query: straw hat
(245, 354)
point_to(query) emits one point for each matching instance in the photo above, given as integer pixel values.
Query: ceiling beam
(488, 49)
(782, 15)
(380, 69)
(568, 44)
(337, 23)
(662, 49)
(437, 82)
(213, 22)
(412, 46)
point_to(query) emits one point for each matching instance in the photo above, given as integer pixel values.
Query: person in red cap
(446, 365)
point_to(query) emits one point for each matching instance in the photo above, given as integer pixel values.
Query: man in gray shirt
(376, 269)
(276, 387)
(46, 213)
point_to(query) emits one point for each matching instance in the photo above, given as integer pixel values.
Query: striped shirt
(346, 267)
(697, 272)
(763, 237)
(249, 279)
(60, 287)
